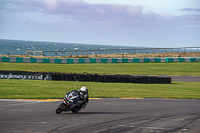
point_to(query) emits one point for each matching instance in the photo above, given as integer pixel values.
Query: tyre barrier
(85, 77)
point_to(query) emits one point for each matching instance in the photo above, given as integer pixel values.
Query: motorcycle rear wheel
(75, 110)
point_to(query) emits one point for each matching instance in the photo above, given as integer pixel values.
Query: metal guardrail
(113, 51)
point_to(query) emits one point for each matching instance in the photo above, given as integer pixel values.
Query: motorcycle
(70, 103)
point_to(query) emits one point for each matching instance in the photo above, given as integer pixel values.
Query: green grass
(22, 89)
(182, 68)
(34, 89)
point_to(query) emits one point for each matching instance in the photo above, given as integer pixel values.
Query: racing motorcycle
(70, 103)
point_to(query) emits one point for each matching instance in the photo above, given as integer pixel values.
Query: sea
(20, 47)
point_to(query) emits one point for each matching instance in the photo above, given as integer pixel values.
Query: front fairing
(71, 97)
(65, 99)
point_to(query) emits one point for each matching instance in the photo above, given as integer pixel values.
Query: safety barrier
(82, 53)
(85, 77)
(98, 60)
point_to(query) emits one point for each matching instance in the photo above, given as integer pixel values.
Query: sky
(142, 23)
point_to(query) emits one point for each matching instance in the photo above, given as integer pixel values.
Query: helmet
(83, 89)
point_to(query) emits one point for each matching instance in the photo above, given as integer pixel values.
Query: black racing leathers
(83, 98)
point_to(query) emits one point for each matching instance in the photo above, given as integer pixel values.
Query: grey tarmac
(112, 115)
(186, 78)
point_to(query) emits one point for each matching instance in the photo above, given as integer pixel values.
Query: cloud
(79, 11)
(73, 11)
(71, 8)
(190, 9)
(51, 4)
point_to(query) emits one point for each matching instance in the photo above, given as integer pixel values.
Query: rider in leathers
(83, 94)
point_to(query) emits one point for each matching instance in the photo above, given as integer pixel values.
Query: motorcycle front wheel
(60, 108)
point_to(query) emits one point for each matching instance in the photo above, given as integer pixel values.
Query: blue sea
(19, 47)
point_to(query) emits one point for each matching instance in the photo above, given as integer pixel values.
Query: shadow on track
(81, 113)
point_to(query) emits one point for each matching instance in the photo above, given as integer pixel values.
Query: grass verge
(181, 68)
(34, 89)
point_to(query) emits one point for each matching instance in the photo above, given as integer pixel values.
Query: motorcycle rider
(83, 94)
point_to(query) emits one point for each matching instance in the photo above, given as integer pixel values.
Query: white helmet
(83, 89)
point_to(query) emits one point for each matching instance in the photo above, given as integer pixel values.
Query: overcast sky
(145, 23)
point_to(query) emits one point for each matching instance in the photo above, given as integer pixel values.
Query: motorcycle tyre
(59, 109)
(75, 110)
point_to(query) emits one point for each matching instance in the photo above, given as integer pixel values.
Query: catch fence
(113, 51)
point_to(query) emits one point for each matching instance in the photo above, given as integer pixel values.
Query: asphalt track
(186, 78)
(102, 116)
